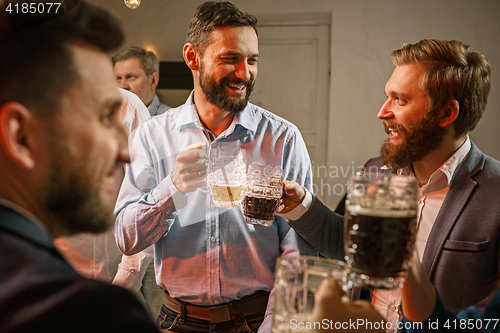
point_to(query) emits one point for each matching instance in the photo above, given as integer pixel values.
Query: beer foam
(381, 212)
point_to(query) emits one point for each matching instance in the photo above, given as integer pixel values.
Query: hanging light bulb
(132, 4)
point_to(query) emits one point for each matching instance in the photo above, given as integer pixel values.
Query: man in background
(61, 139)
(138, 70)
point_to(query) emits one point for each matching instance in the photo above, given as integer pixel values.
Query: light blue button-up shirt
(207, 255)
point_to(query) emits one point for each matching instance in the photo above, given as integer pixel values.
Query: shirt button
(212, 271)
(216, 302)
(212, 239)
(393, 308)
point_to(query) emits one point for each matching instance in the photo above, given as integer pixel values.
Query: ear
(153, 80)
(191, 56)
(15, 134)
(450, 113)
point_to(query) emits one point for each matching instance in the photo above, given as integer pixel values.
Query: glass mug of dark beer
(264, 190)
(380, 228)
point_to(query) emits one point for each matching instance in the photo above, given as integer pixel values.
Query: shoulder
(168, 117)
(47, 295)
(162, 109)
(265, 116)
(478, 164)
(374, 162)
(492, 164)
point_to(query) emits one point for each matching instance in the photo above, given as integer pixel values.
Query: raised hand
(190, 169)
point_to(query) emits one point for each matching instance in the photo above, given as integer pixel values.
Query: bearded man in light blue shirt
(205, 256)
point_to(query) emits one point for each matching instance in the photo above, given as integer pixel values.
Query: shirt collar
(448, 168)
(451, 166)
(189, 118)
(153, 107)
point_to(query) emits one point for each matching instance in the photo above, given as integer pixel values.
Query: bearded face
(74, 192)
(417, 141)
(217, 92)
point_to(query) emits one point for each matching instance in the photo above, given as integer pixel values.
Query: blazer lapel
(458, 195)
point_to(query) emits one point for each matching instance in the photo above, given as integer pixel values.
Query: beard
(417, 141)
(74, 196)
(215, 92)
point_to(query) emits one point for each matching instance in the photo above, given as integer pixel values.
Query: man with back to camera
(138, 70)
(216, 270)
(61, 138)
(435, 97)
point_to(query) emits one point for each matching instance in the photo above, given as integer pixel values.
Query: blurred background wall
(360, 36)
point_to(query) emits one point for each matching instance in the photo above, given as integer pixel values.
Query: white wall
(363, 34)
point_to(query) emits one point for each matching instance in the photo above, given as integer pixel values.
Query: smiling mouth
(393, 133)
(237, 86)
(108, 179)
(110, 182)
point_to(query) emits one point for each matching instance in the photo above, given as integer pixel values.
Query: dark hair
(212, 15)
(37, 63)
(149, 61)
(454, 72)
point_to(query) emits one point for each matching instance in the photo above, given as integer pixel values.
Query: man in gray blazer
(435, 97)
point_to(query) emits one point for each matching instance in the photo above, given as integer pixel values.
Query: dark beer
(260, 207)
(379, 243)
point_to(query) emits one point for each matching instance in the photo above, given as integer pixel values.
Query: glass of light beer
(264, 191)
(380, 228)
(227, 176)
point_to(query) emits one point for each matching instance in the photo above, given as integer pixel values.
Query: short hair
(149, 61)
(454, 72)
(212, 15)
(38, 65)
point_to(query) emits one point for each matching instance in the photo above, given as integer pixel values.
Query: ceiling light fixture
(132, 4)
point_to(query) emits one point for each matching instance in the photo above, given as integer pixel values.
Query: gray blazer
(462, 253)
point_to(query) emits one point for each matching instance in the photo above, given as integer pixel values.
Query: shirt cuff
(127, 278)
(300, 210)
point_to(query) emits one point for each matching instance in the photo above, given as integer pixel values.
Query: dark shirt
(40, 291)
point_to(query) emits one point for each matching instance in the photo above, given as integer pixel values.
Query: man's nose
(243, 71)
(385, 111)
(123, 84)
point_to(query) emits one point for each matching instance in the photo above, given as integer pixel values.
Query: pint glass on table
(380, 228)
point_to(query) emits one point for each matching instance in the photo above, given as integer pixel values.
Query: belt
(234, 310)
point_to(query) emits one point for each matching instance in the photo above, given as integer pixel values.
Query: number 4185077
(33, 8)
